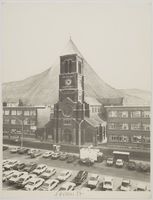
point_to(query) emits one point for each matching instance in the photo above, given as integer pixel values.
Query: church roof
(92, 101)
(95, 120)
(71, 49)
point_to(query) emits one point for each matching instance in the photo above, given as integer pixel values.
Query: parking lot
(98, 168)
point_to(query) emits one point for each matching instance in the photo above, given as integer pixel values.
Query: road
(98, 168)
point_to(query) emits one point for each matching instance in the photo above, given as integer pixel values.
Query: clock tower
(70, 110)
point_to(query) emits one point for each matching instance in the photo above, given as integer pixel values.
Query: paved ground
(98, 168)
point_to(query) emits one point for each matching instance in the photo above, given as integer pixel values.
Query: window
(26, 113)
(66, 66)
(6, 121)
(136, 126)
(79, 67)
(136, 114)
(32, 112)
(67, 122)
(146, 127)
(26, 122)
(146, 114)
(111, 126)
(6, 112)
(19, 112)
(112, 114)
(70, 66)
(13, 121)
(32, 122)
(13, 112)
(136, 139)
(123, 114)
(125, 126)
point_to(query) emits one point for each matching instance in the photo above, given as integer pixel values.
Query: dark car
(131, 165)
(36, 154)
(30, 167)
(5, 147)
(80, 177)
(86, 162)
(71, 159)
(63, 156)
(23, 150)
(19, 166)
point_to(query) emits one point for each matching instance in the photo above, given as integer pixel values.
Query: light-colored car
(93, 181)
(14, 149)
(119, 163)
(34, 184)
(49, 185)
(48, 173)
(141, 187)
(47, 154)
(15, 177)
(108, 183)
(10, 164)
(64, 175)
(5, 162)
(24, 179)
(125, 185)
(40, 169)
(7, 174)
(68, 186)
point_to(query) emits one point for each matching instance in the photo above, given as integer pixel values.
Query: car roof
(51, 180)
(119, 160)
(141, 185)
(41, 165)
(94, 175)
(126, 180)
(106, 178)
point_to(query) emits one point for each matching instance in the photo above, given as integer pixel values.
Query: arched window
(66, 66)
(70, 66)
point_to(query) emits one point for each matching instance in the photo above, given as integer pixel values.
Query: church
(76, 119)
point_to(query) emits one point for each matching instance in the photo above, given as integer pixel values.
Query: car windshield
(21, 179)
(39, 167)
(107, 182)
(48, 171)
(62, 174)
(93, 178)
(14, 176)
(11, 162)
(110, 159)
(79, 174)
(46, 185)
(125, 184)
(31, 183)
(62, 188)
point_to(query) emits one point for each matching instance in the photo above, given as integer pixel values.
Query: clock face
(67, 110)
(68, 82)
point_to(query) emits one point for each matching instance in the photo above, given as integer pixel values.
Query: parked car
(24, 179)
(119, 163)
(5, 162)
(30, 151)
(85, 189)
(86, 161)
(63, 156)
(131, 165)
(10, 164)
(23, 150)
(7, 174)
(55, 155)
(110, 161)
(48, 173)
(15, 177)
(93, 181)
(19, 166)
(143, 167)
(141, 187)
(107, 184)
(71, 159)
(64, 175)
(5, 147)
(34, 184)
(125, 185)
(47, 154)
(30, 167)
(80, 177)
(68, 186)
(36, 154)
(14, 149)
(49, 185)
(40, 169)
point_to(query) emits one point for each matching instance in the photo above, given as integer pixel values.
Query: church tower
(69, 112)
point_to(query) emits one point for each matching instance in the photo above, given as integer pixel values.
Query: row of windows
(133, 139)
(95, 109)
(17, 122)
(125, 126)
(68, 66)
(20, 112)
(132, 114)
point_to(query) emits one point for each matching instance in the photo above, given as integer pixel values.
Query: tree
(20, 102)
(4, 103)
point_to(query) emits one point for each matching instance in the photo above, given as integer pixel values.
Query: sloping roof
(95, 120)
(92, 101)
(71, 49)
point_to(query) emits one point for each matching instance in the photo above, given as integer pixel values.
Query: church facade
(72, 121)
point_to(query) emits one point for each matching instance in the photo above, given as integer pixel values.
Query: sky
(114, 37)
